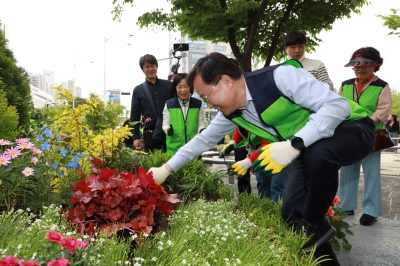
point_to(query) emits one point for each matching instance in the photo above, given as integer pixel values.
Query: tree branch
(278, 31)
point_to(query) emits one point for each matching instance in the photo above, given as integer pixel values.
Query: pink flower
(84, 244)
(71, 243)
(5, 159)
(5, 142)
(28, 171)
(36, 150)
(31, 263)
(34, 160)
(22, 140)
(336, 201)
(54, 237)
(10, 261)
(58, 262)
(13, 152)
(330, 212)
(26, 145)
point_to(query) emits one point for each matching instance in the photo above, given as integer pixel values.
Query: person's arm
(166, 120)
(135, 112)
(219, 127)
(384, 108)
(323, 76)
(201, 120)
(306, 91)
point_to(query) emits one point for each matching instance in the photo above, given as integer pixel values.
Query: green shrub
(8, 119)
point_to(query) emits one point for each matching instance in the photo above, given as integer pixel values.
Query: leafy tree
(253, 28)
(8, 119)
(392, 21)
(396, 102)
(15, 84)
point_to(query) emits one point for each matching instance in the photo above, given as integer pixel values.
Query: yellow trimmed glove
(241, 167)
(275, 157)
(227, 149)
(159, 174)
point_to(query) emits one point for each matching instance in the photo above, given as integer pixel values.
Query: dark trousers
(313, 180)
(244, 182)
(151, 144)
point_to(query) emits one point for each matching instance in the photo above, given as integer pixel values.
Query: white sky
(55, 35)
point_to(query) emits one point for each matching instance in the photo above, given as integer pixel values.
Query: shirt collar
(301, 58)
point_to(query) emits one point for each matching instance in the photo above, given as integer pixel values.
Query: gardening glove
(241, 167)
(170, 131)
(227, 149)
(159, 174)
(275, 157)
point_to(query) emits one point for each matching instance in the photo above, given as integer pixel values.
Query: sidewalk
(377, 245)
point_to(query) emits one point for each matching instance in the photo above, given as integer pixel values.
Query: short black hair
(294, 37)
(149, 59)
(178, 77)
(369, 53)
(212, 67)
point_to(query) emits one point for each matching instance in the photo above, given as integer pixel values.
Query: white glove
(220, 146)
(241, 167)
(159, 174)
(166, 128)
(275, 156)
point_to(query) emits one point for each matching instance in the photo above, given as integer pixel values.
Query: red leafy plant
(111, 200)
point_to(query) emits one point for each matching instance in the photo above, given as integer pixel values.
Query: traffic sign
(113, 96)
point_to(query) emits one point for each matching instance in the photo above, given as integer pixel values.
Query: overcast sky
(55, 35)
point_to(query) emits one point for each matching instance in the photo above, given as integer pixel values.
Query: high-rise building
(36, 80)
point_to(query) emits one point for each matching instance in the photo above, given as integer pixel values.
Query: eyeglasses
(205, 99)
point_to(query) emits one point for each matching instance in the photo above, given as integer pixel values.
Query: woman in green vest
(183, 115)
(372, 93)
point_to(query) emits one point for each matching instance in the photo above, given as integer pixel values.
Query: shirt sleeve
(166, 119)
(384, 108)
(322, 75)
(219, 127)
(306, 91)
(202, 119)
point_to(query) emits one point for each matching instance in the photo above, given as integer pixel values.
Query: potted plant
(112, 200)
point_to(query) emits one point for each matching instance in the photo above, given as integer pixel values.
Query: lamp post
(104, 85)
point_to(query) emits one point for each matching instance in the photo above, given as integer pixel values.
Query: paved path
(377, 245)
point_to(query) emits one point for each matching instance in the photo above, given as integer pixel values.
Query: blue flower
(73, 165)
(61, 172)
(58, 136)
(45, 146)
(48, 132)
(39, 138)
(54, 165)
(63, 153)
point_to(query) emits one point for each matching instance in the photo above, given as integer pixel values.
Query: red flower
(336, 201)
(31, 263)
(54, 237)
(336, 218)
(330, 212)
(71, 243)
(59, 262)
(10, 261)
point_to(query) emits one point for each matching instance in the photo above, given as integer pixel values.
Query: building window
(197, 46)
(197, 56)
(219, 48)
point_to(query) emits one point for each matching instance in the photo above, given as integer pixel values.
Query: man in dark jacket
(141, 108)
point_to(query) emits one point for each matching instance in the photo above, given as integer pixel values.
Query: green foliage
(254, 29)
(396, 102)
(8, 118)
(24, 236)
(392, 21)
(220, 233)
(15, 84)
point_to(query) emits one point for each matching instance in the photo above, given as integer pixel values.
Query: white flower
(19, 246)
(163, 234)
(154, 259)
(238, 261)
(68, 233)
(237, 237)
(226, 259)
(170, 243)
(119, 262)
(160, 247)
(183, 261)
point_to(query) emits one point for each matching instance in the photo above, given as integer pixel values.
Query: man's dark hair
(369, 53)
(294, 37)
(147, 58)
(212, 67)
(178, 77)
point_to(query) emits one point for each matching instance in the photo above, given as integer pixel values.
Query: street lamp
(104, 85)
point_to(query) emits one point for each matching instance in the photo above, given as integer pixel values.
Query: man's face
(218, 96)
(295, 51)
(150, 71)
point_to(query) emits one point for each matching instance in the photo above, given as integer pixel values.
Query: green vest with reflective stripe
(283, 117)
(184, 131)
(368, 98)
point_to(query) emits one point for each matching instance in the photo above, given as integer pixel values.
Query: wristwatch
(298, 143)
